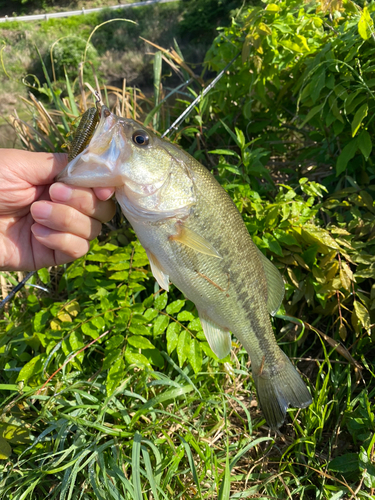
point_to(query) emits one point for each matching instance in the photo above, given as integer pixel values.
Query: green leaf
(175, 307)
(320, 236)
(154, 357)
(240, 138)
(160, 324)
(111, 357)
(358, 118)
(90, 329)
(5, 449)
(367, 468)
(40, 320)
(120, 276)
(195, 355)
(31, 368)
(139, 319)
(346, 155)
(140, 330)
(226, 152)
(272, 7)
(137, 359)
(365, 144)
(99, 323)
(73, 343)
(362, 314)
(285, 238)
(185, 316)
(183, 347)
(365, 24)
(114, 342)
(173, 331)
(150, 314)
(272, 244)
(195, 325)
(345, 464)
(161, 301)
(140, 342)
(317, 83)
(44, 275)
(115, 375)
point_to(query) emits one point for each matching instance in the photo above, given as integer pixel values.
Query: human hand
(44, 224)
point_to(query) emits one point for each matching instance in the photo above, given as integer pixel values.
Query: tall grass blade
(57, 101)
(157, 87)
(224, 491)
(150, 473)
(192, 465)
(125, 481)
(72, 101)
(241, 453)
(136, 468)
(99, 493)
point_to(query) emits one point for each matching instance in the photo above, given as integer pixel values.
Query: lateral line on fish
(213, 283)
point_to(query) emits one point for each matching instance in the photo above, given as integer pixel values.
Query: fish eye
(140, 137)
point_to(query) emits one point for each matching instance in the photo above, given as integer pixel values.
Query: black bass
(195, 237)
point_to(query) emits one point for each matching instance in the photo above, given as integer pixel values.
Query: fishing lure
(84, 132)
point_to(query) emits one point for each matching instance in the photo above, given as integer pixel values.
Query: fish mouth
(99, 164)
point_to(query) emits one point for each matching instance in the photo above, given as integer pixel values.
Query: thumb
(37, 169)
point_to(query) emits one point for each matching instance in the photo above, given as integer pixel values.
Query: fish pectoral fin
(195, 241)
(219, 338)
(278, 388)
(159, 274)
(275, 284)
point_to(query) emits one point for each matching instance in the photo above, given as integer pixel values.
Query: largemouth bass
(195, 237)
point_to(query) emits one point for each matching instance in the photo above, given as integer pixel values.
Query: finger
(67, 246)
(84, 200)
(65, 219)
(36, 168)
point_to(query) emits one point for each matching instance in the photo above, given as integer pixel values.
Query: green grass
(181, 435)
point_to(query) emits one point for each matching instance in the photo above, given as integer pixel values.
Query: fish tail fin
(279, 389)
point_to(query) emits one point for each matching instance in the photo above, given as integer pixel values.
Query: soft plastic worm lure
(84, 132)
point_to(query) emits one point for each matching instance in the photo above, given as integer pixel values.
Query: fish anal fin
(157, 270)
(275, 285)
(193, 240)
(219, 338)
(278, 389)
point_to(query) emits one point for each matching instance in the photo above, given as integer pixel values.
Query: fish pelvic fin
(279, 389)
(159, 274)
(218, 338)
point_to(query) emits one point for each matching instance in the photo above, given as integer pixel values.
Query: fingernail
(40, 231)
(60, 192)
(104, 194)
(41, 210)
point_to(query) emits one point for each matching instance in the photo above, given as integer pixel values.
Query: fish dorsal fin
(275, 284)
(159, 274)
(218, 337)
(193, 240)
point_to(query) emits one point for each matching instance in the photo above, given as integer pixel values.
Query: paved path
(44, 17)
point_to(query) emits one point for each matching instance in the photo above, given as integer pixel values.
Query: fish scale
(195, 237)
